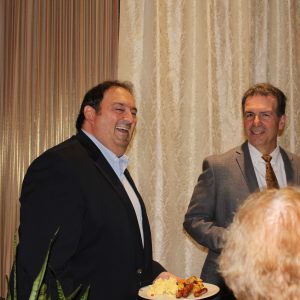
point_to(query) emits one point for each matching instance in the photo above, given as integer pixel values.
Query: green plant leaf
(39, 289)
(8, 297)
(73, 295)
(43, 292)
(86, 294)
(39, 279)
(14, 267)
(60, 292)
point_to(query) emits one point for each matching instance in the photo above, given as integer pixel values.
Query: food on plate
(193, 285)
(163, 287)
(180, 289)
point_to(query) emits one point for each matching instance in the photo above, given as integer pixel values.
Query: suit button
(139, 271)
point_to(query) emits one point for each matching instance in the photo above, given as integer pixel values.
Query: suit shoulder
(226, 156)
(64, 150)
(66, 145)
(292, 156)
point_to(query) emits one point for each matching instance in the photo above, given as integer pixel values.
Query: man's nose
(128, 116)
(256, 119)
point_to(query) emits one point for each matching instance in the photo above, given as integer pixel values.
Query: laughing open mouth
(122, 129)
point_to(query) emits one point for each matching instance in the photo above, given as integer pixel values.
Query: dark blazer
(72, 187)
(226, 181)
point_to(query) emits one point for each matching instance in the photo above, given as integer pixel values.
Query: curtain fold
(190, 62)
(51, 53)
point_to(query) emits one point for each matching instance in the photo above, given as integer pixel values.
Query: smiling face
(115, 122)
(262, 124)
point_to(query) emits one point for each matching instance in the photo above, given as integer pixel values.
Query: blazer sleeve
(157, 268)
(200, 220)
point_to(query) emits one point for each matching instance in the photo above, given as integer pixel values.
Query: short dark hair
(95, 95)
(266, 89)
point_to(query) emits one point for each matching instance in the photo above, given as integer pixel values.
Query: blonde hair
(261, 257)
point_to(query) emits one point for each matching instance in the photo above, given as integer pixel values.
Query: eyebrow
(264, 111)
(123, 104)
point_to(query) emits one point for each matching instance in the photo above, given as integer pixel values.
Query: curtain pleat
(190, 62)
(51, 53)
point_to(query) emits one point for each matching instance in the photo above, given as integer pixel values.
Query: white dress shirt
(119, 165)
(260, 167)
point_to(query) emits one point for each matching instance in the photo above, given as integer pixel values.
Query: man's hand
(167, 275)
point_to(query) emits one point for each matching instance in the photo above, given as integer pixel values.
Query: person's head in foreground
(261, 257)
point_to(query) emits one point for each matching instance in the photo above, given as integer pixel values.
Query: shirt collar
(256, 155)
(119, 164)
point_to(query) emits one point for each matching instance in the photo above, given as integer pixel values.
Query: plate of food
(192, 288)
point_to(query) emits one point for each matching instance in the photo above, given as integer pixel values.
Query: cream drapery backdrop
(51, 53)
(190, 62)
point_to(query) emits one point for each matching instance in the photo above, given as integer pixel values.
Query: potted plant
(39, 288)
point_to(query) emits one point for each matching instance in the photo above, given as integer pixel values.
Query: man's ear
(281, 124)
(89, 113)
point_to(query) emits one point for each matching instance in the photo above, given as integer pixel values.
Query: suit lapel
(107, 171)
(244, 162)
(146, 225)
(105, 168)
(289, 171)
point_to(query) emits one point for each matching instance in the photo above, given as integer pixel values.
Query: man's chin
(256, 138)
(123, 145)
(257, 143)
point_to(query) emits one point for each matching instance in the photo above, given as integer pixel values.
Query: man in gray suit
(228, 179)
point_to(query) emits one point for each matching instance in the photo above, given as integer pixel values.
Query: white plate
(211, 290)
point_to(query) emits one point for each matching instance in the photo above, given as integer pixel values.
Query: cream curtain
(190, 62)
(51, 53)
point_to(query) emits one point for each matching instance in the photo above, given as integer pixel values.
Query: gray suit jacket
(226, 181)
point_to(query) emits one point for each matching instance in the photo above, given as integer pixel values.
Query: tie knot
(266, 157)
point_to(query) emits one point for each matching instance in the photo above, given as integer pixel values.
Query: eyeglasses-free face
(261, 123)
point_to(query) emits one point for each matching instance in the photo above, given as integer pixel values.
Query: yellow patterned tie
(271, 179)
